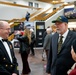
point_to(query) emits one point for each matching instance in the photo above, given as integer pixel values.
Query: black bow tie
(4, 40)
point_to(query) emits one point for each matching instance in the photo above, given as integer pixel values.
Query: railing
(18, 5)
(10, 38)
(38, 17)
(11, 23)
(49, 15)
(43, 18)
(31, 19)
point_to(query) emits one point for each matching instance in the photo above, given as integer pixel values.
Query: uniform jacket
(6, 66)
(59, 64)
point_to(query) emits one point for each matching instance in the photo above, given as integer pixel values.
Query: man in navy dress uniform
(8, 62)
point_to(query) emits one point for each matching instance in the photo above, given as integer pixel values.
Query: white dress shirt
(64, 35)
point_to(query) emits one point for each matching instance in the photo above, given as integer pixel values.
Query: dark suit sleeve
(49, 61)
(3, 71)
(46, 41)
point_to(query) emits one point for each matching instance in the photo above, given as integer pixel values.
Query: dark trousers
(47, 54)
(32, 49)
(26, 68)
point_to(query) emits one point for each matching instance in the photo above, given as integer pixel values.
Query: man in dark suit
(59, 62)
(8, 63)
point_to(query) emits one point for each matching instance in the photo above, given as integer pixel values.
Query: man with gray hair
(46, 45)
(60, 59)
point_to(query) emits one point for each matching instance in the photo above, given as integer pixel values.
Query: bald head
(4, 29)
(3, 24)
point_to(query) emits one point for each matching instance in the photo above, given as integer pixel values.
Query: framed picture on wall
(69, 13)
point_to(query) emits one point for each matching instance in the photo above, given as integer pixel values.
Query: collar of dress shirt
(1, 38)
(4, 40)
(64, 35)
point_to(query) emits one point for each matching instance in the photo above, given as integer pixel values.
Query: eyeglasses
(6, 28)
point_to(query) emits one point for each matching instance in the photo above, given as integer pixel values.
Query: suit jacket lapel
(67, 39)
(4, 50)
(11, 47)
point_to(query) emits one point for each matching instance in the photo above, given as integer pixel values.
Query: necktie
(60, 43)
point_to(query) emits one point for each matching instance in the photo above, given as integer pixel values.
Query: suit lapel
(4, 50)
(11, 47)
(67, 39)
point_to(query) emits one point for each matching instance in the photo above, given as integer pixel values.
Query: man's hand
(14, 74)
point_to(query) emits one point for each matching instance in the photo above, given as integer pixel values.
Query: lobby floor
(35, 62)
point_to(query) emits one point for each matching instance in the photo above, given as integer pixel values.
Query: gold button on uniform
(4, 58)
(11, 65)
(6, 65)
